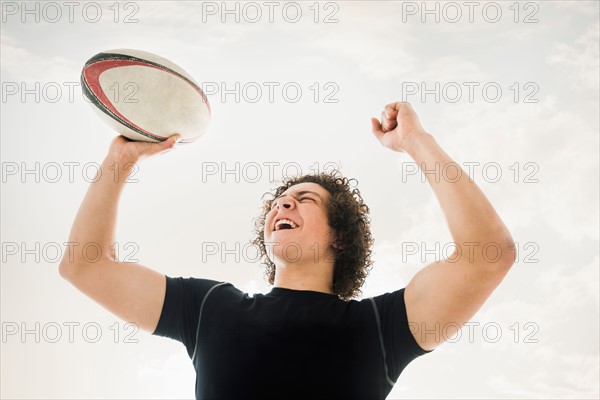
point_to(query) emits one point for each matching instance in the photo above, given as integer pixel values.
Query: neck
(314, 277)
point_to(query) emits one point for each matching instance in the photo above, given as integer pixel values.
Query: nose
(285, 202)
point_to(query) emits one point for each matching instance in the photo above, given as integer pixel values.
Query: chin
(287, 251)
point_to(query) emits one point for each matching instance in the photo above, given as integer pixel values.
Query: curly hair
(348, 215)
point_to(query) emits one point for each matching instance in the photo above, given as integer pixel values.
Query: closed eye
(274, 202)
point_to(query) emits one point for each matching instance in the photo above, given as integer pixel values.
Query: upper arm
(399, 344)
(130, 291)
(444, 295)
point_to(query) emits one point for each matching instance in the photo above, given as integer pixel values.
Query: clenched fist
(399, 127)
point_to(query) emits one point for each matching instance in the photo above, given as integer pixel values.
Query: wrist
(118, 168)
(415, 143)
(121, 156)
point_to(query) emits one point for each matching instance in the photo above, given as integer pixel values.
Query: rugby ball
(145, 97)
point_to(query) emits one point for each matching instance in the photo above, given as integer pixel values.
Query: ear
(337, 244)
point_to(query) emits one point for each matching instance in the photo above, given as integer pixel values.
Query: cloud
(542, 138)
(174, 368)
(562, 301)
(375, 58)
(19, 63)
(579, 60)
(586, 7)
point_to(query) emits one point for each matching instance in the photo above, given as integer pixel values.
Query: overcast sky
(510, 91)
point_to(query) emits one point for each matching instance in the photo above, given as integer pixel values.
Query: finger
(173, 139)
(390, 119)
(151, 149)
(388, 123)
(170, 143)
(397, 105)
(404, 109)
(383, 121)
(391, 111)
(406, 104)
(393, 123)
(119, 140)
(376, 129)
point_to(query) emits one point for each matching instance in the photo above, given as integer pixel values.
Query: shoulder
(199, 288)
(390, 299)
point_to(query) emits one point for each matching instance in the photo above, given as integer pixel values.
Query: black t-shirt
(287, 344)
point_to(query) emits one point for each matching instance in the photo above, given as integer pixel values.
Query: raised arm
(130, 291)
(444, 295)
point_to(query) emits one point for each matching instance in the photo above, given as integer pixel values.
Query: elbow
(499, 249)
(71, 262)
(508, 255)
(495, 255)
(67, 269)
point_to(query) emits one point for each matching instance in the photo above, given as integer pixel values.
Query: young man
(306, 338)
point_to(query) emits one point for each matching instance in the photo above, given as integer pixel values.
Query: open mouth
(285, 223)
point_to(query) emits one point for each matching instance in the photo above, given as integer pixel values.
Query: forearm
(95, 223)
(470, 216)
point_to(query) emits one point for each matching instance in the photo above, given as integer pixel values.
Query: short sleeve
(181, 308)
(399, 343)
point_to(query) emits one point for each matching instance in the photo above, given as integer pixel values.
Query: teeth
(285, 221)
